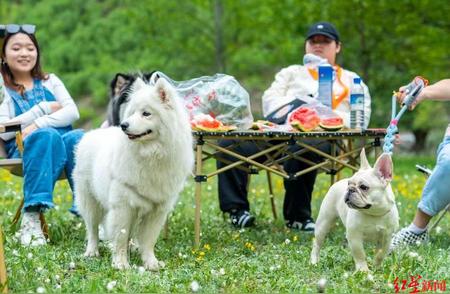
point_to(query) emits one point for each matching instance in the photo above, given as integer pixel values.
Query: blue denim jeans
(436, 193)
(47, 153)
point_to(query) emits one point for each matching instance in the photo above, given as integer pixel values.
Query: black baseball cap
(323, 28)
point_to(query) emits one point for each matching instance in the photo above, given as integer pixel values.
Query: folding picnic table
(344, 154)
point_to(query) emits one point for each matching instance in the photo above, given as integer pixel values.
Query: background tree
(387, 42)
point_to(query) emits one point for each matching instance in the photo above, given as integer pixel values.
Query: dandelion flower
(195, 286)
(141, 270)
(287, 241)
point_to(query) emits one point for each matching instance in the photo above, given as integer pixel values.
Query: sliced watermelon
(205, 122)
(332, 124)
(304, 119)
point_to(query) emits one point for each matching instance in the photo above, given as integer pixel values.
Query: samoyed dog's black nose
(124, 126)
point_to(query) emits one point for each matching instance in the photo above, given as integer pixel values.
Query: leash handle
(413, 89)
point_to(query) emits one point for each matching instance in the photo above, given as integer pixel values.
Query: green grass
(268, 258)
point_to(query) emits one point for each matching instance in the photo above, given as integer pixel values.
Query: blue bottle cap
(357, 80)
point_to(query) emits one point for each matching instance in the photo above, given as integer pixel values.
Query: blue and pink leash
(412, 90)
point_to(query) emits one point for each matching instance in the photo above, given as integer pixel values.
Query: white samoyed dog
(130, 177)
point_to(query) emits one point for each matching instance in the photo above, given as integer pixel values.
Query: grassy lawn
(268, 258)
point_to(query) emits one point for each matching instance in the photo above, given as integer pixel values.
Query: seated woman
(322, 40)
(45, 109)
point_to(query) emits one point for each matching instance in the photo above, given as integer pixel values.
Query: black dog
(119, 91)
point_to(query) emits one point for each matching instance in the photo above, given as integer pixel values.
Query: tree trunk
(218, 24)
(421, 138)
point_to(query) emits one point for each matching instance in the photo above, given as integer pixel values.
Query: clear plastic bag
(220, 96)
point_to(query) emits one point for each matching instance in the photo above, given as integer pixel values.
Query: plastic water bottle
(325, 84)
(357, 105)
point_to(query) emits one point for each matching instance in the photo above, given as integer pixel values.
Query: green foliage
(386, 42)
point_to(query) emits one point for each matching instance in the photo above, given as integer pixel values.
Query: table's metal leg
(2, 265)
(333, 164)
(272, 199)
(198, 192)
(377, 147)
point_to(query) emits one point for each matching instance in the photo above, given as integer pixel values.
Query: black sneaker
(405, 237)
(306, 226)
(241, 218)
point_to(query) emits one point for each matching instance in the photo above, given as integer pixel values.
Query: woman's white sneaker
(30, 230)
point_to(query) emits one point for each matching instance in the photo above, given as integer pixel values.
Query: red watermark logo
(416, 284)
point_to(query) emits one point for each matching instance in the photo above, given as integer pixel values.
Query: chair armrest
(10, 127)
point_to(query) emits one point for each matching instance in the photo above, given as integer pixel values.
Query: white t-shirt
(41, 114)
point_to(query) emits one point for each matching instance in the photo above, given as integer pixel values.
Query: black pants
(297, 202)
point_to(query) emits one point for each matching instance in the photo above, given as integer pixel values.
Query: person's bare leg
(421, 219)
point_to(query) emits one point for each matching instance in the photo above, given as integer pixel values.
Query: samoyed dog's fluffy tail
(129, 177)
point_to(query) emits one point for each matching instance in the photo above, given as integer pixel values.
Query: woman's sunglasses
(16, 28)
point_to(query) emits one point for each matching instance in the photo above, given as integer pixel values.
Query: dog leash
(412, 90)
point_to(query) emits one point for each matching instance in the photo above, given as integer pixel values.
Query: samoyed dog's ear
(165, 91)
(138, 84)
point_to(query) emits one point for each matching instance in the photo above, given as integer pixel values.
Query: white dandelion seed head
(272, 268)
(47, 280)
(141, 270)
(370, 277)
(15, 252)
(222, 271)
(111, 285)
(30, 255)
(413, 254)
(71, 265)
(438, 230)
(195, 286)
(346, 275)
(39, 269)
(287, 241)
(40, 290)
(321, 284)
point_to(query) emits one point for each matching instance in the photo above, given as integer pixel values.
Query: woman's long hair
(8, 76)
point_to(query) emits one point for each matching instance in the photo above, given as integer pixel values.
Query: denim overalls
(436, 193)
(47, 151)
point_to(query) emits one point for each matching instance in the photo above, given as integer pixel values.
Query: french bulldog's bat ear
(364, 163)
(384, 168)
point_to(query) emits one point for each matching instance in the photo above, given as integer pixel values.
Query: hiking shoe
(241, 218)
(306, 226)
(30, 230)
(406, 237)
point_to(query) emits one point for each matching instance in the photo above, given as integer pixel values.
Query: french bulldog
(366, 205)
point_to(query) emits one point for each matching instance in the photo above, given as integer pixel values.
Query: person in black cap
(296, 81)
